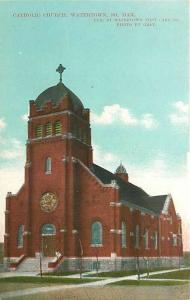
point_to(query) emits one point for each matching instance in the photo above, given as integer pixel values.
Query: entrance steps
(32, 264)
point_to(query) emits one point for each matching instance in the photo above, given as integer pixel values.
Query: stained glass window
(20, 240)
(96, 234)
(48, 165)
(123, 235)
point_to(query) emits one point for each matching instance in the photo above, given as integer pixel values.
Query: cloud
(11, 179)
(14, 149)
(117, 114)
(24, 117)
(2, 124)
(106, 159)
(180, 114)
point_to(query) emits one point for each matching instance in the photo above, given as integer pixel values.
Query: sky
(127, 62)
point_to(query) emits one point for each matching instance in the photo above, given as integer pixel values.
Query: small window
(48, 129)
(20, 240)
(96, 234)
(48, 229)
(48, 165)
(123, 235)
(58, 127)
(137, 236)
(38, 131)
(146, 239)
(174, 239)
(155, 240)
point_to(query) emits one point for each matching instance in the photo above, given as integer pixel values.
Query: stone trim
(26, 233)
(69, 112)
(28, 164)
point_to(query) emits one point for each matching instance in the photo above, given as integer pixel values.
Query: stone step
(33, 264)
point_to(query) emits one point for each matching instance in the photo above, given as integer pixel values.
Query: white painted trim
(166, 204)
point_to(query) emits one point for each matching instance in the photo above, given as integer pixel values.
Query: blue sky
(133, 78)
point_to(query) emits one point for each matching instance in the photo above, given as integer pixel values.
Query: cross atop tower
(60, 70)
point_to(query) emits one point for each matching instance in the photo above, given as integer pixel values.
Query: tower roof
(56, 94)
(121, 169)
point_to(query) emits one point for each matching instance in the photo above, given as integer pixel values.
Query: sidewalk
(101, 283)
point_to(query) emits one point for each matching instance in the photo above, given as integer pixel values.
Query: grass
(61, 273)
(181, 274)
(147, 283)
(45, 280)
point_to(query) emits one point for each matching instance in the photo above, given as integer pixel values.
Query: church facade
(71, 210)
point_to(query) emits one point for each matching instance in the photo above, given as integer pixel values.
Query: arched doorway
(48, 234)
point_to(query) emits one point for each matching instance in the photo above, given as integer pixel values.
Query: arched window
(58, 127)
(48, 165)
(137, 236)
(48, 129)
(123, 235)
(38, 131)
(20, 240)
(146, 239)
(155, 240)
(96, 234)
(48, 229)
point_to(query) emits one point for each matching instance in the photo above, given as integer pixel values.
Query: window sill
(48, 173)
(96, 245)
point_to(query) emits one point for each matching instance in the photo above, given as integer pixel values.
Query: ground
(181, 292)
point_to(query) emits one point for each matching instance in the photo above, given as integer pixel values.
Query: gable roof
(129, 193)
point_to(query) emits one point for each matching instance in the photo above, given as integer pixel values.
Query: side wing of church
(75, 212)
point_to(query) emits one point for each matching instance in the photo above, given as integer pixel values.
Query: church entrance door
(48, 240)
(48, 245)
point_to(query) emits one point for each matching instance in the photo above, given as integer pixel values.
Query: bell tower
(58, 134)
(58, 115)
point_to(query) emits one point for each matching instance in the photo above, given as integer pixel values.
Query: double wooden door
(48, 245)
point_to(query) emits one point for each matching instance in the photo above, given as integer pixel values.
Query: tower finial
(60, 70)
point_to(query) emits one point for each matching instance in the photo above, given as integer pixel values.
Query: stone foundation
(117, 264)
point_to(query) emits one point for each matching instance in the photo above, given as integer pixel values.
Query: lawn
(21, 282)
(181, 274)
(147, 283)
(61, 273)
(47, 280)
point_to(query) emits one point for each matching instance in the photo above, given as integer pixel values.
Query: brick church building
(71, 211)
